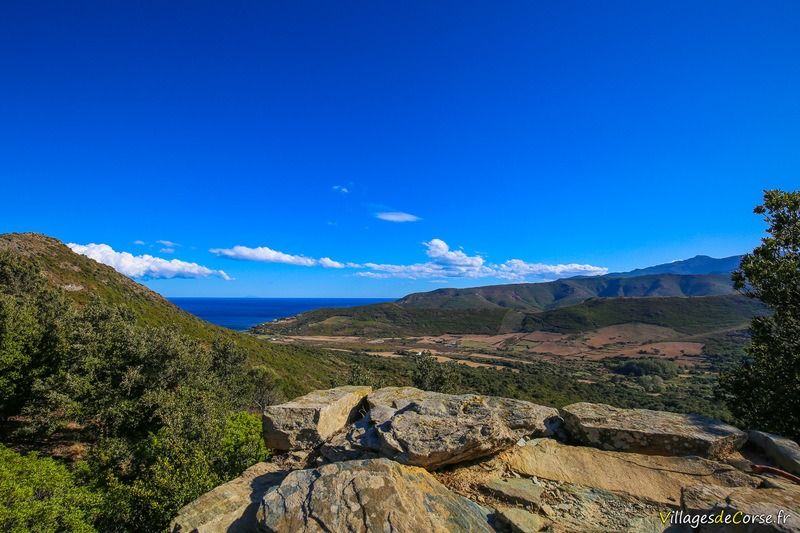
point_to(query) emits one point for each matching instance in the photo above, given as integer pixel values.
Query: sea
(243, 313)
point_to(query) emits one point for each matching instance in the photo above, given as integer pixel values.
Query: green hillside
(388, 320)
(562, 293)
(686, 315)
(81, 279)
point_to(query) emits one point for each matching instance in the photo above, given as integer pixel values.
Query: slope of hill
(82, 279)
(560, 293)
(686, 315)
(699, 264)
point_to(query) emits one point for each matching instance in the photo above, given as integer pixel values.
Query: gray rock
(782, 501)
(650, 432)
(307, 421)
(369, 495)
(785, 452)
(231, 507)
(431, 429)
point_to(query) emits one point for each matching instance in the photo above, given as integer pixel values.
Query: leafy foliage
(662, 368)
(764, 392)
(163, 414)
(39, 494)
(428, 374)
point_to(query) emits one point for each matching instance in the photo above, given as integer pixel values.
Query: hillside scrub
(162, 414)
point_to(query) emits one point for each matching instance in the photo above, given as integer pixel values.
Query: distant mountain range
(699, 264)
(694, 295)
(561, 293)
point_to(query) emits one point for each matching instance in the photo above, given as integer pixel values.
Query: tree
(429, 374)
(764, 392)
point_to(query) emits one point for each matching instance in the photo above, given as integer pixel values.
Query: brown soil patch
(633, 332)
(543, 336)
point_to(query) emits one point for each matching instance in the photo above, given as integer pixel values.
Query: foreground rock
(650, 432)
(369, 495)
(307, 421)
(229, 508)
(484, 471)
(785, 452)
(779, 501)
(653, 478)
(563, 506)
(430, 429)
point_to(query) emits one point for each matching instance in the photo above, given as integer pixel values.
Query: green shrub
(39, 494)
(648, 367)
(242, 443)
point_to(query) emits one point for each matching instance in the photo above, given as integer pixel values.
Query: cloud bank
(442, 263)
(268, 255)
(447, 263)
(144, 266)
(397, 216)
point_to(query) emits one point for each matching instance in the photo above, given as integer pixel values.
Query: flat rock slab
(369, 495)
(520, 520)
(781, 500)
(431, 429)
(650, 432)
(785, 452)
(231, 507)
(515, 490)
(307, 421)
(652, 478)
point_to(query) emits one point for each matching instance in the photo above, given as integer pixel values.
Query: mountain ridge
(699, 264)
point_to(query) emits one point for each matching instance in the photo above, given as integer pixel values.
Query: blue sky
(610, 135)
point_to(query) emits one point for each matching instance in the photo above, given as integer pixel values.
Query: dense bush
(39, 494)
(429, 374)
(647, 367)
(163, 415)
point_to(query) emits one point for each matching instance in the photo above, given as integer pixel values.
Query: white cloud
(518, 269)
(139, 242)
(144, 266)
(397, 216)
(446, 263)
(341, 188)
(268, 255)
(327, 262)
(167, 250)
(443, 263)
(263, 254)
(168, 244)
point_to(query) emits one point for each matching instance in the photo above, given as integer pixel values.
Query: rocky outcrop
(657, 479)
(650, 432)
(777, 500)
(368, 495)
(430, 429)
(406, 460)
(785, 452)
(307, 421)
(229, 508)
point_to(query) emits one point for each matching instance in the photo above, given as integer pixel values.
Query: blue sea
(243, 313)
